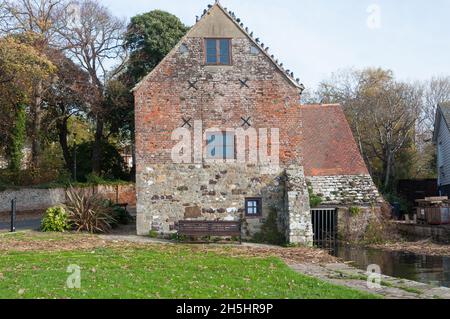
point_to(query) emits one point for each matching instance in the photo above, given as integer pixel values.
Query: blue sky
(315, 38)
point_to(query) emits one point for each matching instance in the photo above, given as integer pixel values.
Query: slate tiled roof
(329, 147)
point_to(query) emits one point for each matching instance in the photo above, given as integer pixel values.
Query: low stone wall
(438, 234)
(359, 203)
(31, 199)
(346, 190)
(353, 226)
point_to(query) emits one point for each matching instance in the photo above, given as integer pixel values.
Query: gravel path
(30, 224)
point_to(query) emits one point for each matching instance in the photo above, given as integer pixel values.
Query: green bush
(374, 233)
(28, 177)
(120, 214)
(153, 234)
(55, 220)
(112, 164)
(354, 211)
(314, 199)
(270, 234)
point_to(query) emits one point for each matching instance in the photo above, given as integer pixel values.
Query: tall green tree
(66, 99)
(149, 38)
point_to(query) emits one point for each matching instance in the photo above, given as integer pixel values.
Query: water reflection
(433, 270)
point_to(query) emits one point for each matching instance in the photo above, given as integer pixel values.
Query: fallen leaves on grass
(36, 241)
(289, 255)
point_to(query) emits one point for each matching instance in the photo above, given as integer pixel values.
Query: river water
(434, 270)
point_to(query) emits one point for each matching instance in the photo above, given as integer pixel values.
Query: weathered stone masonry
(344, 190)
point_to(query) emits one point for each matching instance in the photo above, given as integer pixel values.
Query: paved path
(391, 288)
(29, 224)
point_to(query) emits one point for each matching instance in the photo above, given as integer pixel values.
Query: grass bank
(156, 272)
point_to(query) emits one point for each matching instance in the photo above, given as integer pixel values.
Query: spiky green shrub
(88, 212)
(55, 219)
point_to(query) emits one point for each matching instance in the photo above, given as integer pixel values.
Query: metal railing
(325, 222)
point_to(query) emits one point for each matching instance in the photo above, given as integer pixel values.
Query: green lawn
(157, 273)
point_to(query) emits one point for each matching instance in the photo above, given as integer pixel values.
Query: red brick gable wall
(165, 98)
(329, 147)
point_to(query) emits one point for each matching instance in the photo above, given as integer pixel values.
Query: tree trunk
(387, 177)
(36, 126)
(97, 151)
(63, 132)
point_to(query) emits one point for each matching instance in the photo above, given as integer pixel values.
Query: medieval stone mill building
(219, 80)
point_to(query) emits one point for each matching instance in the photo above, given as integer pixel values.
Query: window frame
(224, 146)
(258, 201)
(205, 51)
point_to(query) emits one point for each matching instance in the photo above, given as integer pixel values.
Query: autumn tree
(21, 67)
(383, 114)
(38, 18)
(436, 91)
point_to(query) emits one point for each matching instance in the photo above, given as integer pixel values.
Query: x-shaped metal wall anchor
(192, 85)
(244, 83)
(246, 121)
(186, 122)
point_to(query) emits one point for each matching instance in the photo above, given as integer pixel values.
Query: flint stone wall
(350, 190)
(174, 192)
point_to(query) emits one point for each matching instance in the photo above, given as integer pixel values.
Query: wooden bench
(198, 229)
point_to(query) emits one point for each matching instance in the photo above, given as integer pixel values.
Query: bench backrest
(209, 228)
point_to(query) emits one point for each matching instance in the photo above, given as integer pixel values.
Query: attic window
(218, 51)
